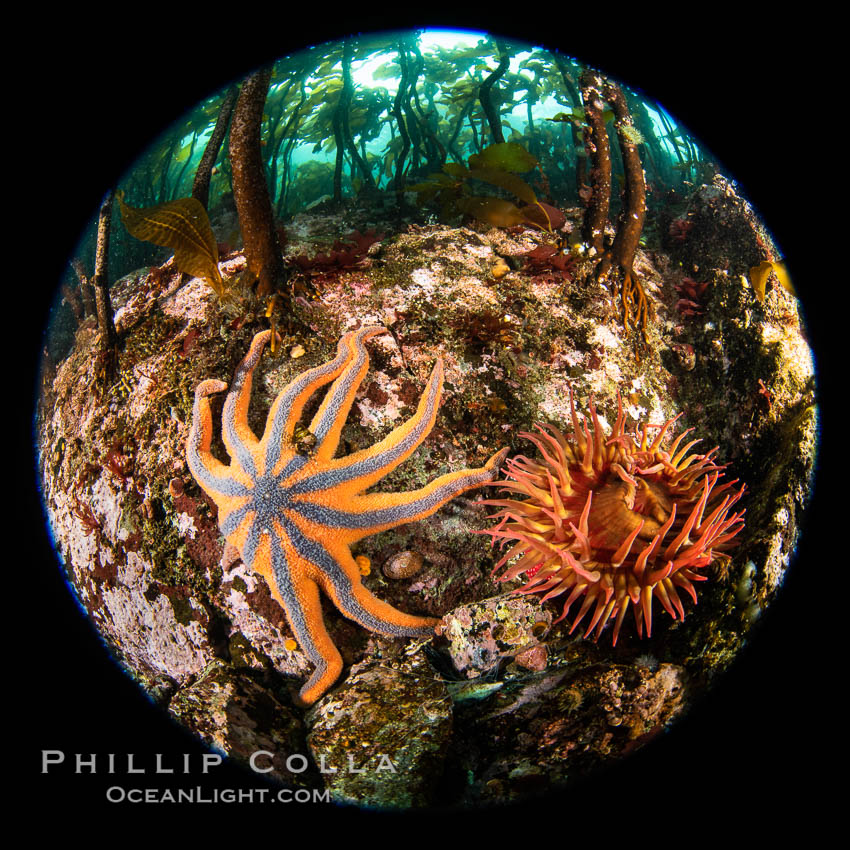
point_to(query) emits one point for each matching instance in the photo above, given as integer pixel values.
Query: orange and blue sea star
(293, 517)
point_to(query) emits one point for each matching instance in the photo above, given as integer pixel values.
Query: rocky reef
(502, 702)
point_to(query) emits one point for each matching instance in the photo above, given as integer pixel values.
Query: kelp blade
(493, 211)
(184, 227)
(505, 180)
(759, 276)
(504, 156)
(544, 215)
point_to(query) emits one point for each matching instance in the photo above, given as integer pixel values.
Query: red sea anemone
(614, 520)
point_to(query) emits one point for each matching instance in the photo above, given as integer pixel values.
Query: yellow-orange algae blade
(505, 156)
(183, 226)
(495, 211)
(759, 275)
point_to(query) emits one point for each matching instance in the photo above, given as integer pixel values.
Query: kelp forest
(483, 130)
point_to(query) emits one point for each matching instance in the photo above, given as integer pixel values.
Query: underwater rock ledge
(141, 548)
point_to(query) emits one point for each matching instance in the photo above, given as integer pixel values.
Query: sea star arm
(332, 567)
(212, 475)
(357, 603)
(239, 439)
(298, 595)
(368, 466)
(329, 420)
(376, 512)
(288, 406)
(315, 641)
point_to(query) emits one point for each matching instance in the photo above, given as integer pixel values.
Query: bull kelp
(456, 124)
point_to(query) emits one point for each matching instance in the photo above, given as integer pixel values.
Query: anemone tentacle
(613, 520)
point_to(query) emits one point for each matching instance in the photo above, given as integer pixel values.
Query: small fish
(474, 690)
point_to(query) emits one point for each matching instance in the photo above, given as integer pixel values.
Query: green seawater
(370, 116)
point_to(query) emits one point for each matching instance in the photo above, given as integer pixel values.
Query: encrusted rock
(685, 355)
(534, 658)
(481, 634)
(231, 711)
(154, 627)
(385, 730)
(549, 727)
